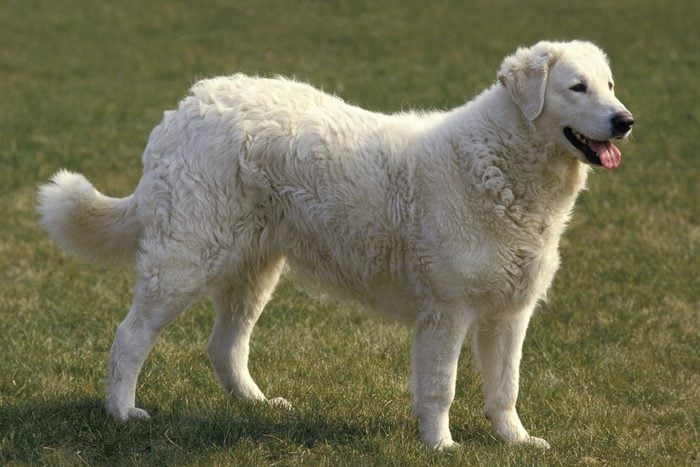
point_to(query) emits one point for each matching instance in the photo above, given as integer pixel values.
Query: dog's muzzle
(621, 124)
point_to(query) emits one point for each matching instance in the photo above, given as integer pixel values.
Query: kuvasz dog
(449, 221)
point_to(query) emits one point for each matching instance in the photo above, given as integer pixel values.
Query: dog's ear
(524, 75)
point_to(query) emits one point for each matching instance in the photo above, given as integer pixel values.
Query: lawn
(611, 366)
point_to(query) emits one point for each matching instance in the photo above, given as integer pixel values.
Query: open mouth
(602, 153)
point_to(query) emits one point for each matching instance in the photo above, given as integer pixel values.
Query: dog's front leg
(498, 348)
(436, 345)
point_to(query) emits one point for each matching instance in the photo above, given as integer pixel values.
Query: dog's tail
(86, 223)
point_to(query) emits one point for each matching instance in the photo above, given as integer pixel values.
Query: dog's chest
(503, 246)
(491, 262)
(496, 277)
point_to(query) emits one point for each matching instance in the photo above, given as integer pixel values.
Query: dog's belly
(393, 299)
(347, 263)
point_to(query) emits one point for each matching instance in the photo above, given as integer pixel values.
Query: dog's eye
(610, 85)
(580, 87)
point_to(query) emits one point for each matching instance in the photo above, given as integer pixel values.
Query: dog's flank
(445, 220)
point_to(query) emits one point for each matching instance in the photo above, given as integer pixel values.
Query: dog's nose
(622, 122)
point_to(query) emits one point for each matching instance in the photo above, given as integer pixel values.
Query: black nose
(622, 123)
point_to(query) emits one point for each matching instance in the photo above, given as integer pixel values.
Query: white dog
(445, 220)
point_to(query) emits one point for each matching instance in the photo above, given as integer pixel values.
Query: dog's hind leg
(238, 306)
(163, 290)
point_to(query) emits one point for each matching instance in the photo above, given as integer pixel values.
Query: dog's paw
(280, 402)
(536, 442)
(132, 413)
(507, 425)
(135, 413)
(445, 445)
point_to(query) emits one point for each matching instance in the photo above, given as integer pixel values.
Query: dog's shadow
(82, 430)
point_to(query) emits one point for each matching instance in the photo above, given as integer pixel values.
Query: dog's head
(566, 90)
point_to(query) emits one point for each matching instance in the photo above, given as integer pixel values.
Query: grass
(611, 371)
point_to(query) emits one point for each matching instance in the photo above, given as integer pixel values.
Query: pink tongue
(609, 155)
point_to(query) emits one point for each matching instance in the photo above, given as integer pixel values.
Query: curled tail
(86, 223)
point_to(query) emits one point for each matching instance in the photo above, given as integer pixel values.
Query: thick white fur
(447, 220)
(85, 222)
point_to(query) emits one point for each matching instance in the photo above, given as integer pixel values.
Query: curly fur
(445, 220)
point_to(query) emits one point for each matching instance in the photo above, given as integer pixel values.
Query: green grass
(611, 370)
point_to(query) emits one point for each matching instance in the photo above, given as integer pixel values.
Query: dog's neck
(547, 167)
(527, 174)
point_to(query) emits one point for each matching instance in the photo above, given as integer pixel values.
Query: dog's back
(330, 186)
